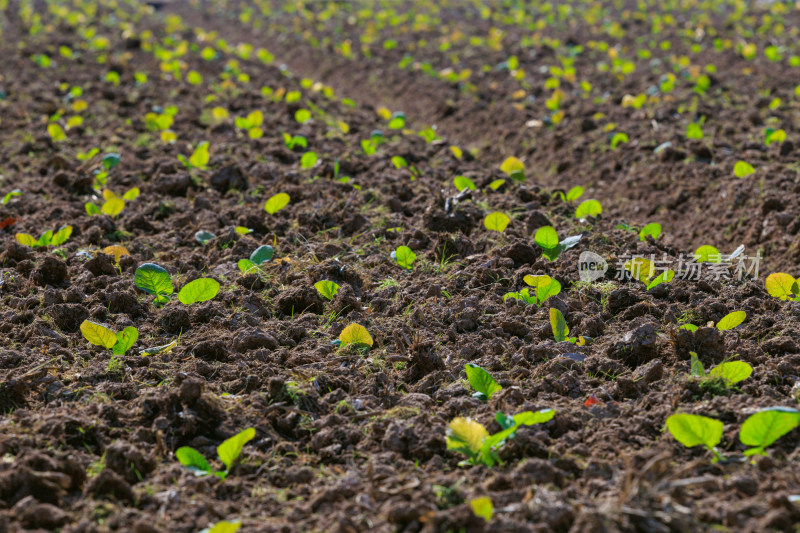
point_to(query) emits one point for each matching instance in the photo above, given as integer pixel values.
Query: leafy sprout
(547, 239)
(766, 426)
(588, 208)
(101, 335)
(513, 168)
(466, 436)
(199, 290)
(462, 182)
(404, 257)
(327, 289)
(48, 238)
(742, 169)
(276, 203)
(696, 430)
(154, 279)
(560, 329)
(496, 222)
(721, 377)
(198, 159)
(356, 335)
(228, 452)
(783, 286)
(650, 230)
(544, 287)
(483, 382)
(260, 256)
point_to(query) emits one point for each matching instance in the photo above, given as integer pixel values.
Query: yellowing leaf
(355, 334)
(113, 207)
(496, 222)
(25, 239)
(731, 320)
(465, 435)
(482, 507)
(512, 165)
(98, 334)
(117, 251)
(778, 284)
(537, 281)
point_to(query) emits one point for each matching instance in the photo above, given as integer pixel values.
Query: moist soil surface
(351, 439)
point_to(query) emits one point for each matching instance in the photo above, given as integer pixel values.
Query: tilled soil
(354, 440)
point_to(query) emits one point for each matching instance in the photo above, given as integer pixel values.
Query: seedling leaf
(199, 290)
(231, 448)
(559, 325)
(404, 256)
(193, 460)
(588, 208)
(496, 222)
(98, 334)
(154, 280)
(731, 320)
(546, 237)
(574, 193)
(463, 182)
(61, 236)
(778, 284)
(224, 526)
(766, 426)
(652, 230)
(707, 254)
(694, 430)
(327, 289)
(742, 169)
(732, 372)
(483, 382)
(262, 254)
(125, 339)
(482, 507)
(276, 203)
(466, 436)
(355, 334)
(203, 236)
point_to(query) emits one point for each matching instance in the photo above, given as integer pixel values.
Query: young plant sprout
(496, 222)
(404, 257)
(483, 382)
(327, 289)
(561, 330)
(228, 453)
(466, 436)
(260, 256)
(721, 377)
(696, 430)
(547, 239)
(48, 238)
(544, 287)
(276, 203)
(101, 335)
(356, 335)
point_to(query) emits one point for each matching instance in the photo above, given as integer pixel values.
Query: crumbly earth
(353, 440)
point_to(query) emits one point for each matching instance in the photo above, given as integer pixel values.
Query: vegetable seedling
(204, 237)
(48, 238)
(357, 335)
(544, 287)
(101, 335)
(694, 430)
(154, 280)
(721, 377)
(547, 239)
(783, 286)
(572, 195)
(404, 257)
(496, 222)
(482, 381)
(260, 256)
(462, 182)
(650, 230)
(766, 426)
(199, 290)
(513, 168)
(198, 159)
(465, 435)
(276, 203)
(327, 289)
(9, 195)
(228, 453)
(561, 330)
(588, 208)
(482, 507)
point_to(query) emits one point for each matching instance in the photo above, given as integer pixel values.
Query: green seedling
(154, 280)
(721, 377)
(48, 238)
(398, 121)
(357, 335)
(482, 507)
(302, 116)
(327, 289)
(223, 526)
(100, 335)
(198, 159)
(588, 208)
(694, 130)
(742, 169)
(694, 430)
(308, 160)
(292, 142)
(618, 138)
(404, 257)
(276, 203)
(228, 453)
(707, 254)
(547, 239)
(496, 222)
(462, 183)
(113, 204)
(204, 237)
(465, 435)
(199, 290)
(483, 382)
(572, 195)
(251, 124)
(513, 168)
(783, 286)
(9, 195)
(261, 255)
(729, 321)
(650, 230)
(766, 426)
(544, 287)
(774, 136)
(561, 330)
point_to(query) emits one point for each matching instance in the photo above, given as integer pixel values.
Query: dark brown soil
(354, 440)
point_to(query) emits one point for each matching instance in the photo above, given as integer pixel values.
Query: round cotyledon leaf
(465, 435)
(496, 222)
(780, 285)
(355, 334)
(153, 279)
(262, 254)
(694, 430)
(199, 290)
